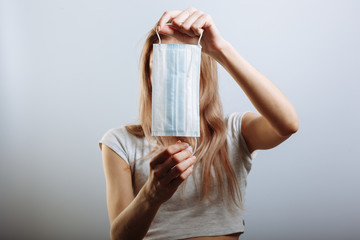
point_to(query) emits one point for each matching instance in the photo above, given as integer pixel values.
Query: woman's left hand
(187, 25)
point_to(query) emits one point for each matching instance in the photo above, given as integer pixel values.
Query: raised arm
(277, 118)
(264, 95)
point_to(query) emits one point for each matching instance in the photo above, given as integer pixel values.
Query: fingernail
(185, 144)
(159, 28)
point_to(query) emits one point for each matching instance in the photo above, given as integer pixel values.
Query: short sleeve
(115, 140)
(234, 123)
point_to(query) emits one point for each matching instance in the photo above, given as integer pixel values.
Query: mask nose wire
(157, 33)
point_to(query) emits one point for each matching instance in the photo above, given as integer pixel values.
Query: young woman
(142, 178)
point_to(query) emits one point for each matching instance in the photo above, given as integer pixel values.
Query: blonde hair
(211, 150)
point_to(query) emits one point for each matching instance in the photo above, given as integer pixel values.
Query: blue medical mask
(175, 89)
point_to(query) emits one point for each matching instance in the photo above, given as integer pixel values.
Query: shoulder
(117, 131)
(116, 135)
(234, 122)
(120, 141)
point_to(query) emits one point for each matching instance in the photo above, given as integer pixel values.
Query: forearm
(263, 94)
(134, 221)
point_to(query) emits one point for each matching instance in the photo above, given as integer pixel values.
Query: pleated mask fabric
(175, 89)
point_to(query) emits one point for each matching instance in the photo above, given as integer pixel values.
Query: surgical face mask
(175, 90)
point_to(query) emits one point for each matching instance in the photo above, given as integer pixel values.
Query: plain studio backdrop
(69, 72)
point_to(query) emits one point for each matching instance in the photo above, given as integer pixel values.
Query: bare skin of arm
(277, 119)
(130, 217)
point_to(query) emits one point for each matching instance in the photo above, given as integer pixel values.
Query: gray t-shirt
(184, 218)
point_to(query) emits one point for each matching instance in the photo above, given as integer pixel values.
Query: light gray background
(68, 72)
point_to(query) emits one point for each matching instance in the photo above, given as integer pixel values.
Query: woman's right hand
(167, 171)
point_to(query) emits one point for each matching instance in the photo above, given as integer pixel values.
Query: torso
(234, 236)
(240, 162)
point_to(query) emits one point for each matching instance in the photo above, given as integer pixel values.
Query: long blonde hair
(211, 150)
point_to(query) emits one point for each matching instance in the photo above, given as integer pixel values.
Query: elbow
(113, 232)
(294, 126)
(290, 128)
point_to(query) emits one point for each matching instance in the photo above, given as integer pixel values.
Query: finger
(186, 26)
(167, 153)
(179, 169)
(174, 160)
(174, 32)
(203, 21)
(179, 19)
(177, 181)
(167, 16)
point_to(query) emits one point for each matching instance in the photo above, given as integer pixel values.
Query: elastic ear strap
(159, 141)
(156, 29)
(200, 36)
(195, 146)
(193, 149)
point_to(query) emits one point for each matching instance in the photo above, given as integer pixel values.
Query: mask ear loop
(200, 37)
(157, 33)
(194, 149)
(156, 29)
(195, 146)
(159, 141)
